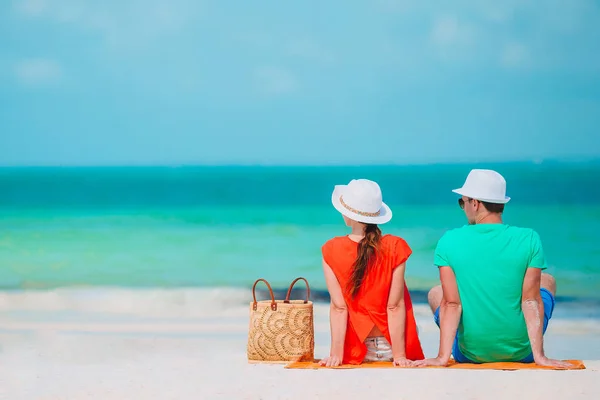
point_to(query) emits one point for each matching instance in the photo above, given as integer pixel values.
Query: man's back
(489, 262)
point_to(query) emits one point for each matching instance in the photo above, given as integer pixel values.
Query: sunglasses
(461, 202)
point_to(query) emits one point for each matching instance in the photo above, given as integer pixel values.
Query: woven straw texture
(283, 334)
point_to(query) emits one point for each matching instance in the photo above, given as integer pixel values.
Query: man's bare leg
(548, 282)
(434, 297)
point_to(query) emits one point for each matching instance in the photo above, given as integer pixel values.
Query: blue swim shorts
(547, 299)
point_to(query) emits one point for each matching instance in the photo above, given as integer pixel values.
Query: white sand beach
(190, 344)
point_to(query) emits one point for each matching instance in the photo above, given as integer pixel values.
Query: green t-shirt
(489, 261)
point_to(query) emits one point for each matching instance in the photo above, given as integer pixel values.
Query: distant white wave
(173, 303)
(180, 302)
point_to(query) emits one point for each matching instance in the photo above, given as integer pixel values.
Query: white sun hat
(484, 185)
(361, 201)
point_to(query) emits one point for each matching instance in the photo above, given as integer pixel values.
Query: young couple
(494, 302)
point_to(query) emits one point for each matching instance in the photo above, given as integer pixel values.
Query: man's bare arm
(533, 311)
(450, 312)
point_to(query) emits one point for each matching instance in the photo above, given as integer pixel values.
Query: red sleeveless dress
(369, 307)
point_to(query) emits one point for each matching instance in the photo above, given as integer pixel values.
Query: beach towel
(508, 366)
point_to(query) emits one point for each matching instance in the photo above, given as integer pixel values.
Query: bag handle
(255, 304)
(289, 292)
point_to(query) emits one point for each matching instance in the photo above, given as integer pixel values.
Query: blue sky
(297, 82)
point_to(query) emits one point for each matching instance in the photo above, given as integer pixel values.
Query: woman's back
(340, 254)
(368, 309)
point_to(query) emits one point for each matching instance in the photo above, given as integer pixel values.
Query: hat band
(363, 213)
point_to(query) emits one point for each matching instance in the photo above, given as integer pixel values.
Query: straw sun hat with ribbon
(361, 201)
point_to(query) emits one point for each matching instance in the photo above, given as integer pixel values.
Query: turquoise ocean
(224, 227)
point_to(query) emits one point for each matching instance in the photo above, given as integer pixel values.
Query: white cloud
(515, 55)
(122, 24)
(554, 34)
(38, 71)
(275, 80)
(498, 12)
(452, 40)
(515, 33)
(445, 30)
(31, 7)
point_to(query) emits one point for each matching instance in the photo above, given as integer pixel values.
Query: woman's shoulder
(337, 239)
(392, 241)
(335, 242)
(392, 245)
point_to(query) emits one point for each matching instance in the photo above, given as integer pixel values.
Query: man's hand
(331, 361)
(403, 362)
(547, 362)
(431, 362)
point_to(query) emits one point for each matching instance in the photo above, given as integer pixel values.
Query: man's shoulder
(466, 230)
(455, 233)
(521, 231)
(450, 242)
(454, 237)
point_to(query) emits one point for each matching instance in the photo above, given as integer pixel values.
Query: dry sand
(75, 351)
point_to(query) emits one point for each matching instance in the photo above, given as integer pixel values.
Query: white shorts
(378, 349)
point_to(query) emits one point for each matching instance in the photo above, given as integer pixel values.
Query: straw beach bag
(281, 330)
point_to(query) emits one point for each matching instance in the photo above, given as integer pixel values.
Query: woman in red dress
(371, 311)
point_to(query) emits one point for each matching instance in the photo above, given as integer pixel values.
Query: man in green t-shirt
(494, 303)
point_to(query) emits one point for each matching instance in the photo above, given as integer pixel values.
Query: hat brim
(385, 213)
(466, 193)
